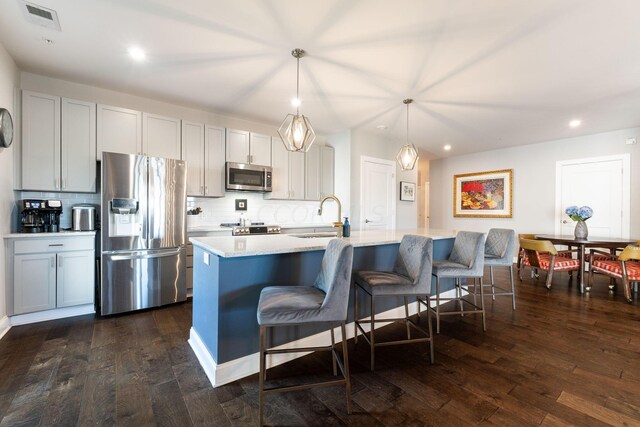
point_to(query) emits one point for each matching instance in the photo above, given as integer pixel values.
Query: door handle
(367, 221)
(564, 221)
(145, 255)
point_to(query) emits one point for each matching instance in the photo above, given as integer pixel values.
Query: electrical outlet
(205, 258)
(631, 141)
(241, 204)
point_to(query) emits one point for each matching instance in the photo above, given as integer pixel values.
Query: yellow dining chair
(541, 254)
(625, 267)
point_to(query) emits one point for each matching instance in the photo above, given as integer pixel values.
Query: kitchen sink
(314, 235)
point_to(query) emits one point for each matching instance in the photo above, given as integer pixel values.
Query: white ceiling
(484, 74)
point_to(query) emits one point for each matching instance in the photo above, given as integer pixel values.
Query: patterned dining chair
(542, 255)
(625, 267)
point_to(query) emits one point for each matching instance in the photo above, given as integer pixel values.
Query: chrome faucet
(338, 224)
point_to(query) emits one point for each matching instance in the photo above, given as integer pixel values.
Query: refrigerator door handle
(145, 255)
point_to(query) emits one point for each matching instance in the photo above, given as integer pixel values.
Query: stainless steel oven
(245, 177)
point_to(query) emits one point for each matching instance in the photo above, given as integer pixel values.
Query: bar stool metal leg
(437, 305)
(493, 287)
(406, 315)
(372, 338)
(262, 372)
(355, 314)
(333, 354)
(513, 287)
(484, 321)
(429, 325)
(345, 358)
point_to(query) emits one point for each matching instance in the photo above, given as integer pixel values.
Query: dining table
(611, 243)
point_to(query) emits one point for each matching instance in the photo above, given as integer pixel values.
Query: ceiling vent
(40, 15)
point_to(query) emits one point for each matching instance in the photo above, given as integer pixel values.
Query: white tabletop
(239, 246)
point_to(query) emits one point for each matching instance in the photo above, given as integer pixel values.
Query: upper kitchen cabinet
(160, 136)
(288, 179)
(203, 148)
(248, 147)
(327, 170)
(319, 172)
(58, 144)
(119, 130)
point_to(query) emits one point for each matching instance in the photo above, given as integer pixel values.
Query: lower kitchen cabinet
(45, 273)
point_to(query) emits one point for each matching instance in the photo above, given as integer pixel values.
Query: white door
(425, 204)
(600, 183)
(378, 194)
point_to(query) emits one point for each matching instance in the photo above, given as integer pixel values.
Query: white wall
(365, 143)
(9, 80)
(534, 180)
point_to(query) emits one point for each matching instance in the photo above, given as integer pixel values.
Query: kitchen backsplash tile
(214, 211)
(68, 201)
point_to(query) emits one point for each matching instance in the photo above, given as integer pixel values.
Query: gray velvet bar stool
(498, 252)
(411, 277)
(324, 302)
(465, 261)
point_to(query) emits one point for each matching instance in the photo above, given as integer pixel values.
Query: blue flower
(585, 212)
(571, 210)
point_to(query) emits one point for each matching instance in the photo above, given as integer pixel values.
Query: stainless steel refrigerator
(143, 235)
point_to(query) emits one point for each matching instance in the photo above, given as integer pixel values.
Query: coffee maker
(40, 216)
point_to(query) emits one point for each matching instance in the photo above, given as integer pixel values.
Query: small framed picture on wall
(407, 191)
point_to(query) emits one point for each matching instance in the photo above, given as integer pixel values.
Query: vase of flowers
(580, 215)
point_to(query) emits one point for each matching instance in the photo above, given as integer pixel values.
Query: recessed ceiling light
(575, 123)
(447, 147)
(47, 41)
(296, 102)
(381, 127)
(137, 53)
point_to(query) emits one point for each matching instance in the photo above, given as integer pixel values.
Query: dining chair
(625, 267)
(521, 253)
(324, 302)
(411, 277)
(542, 255)
(498, 252)
(466, 261)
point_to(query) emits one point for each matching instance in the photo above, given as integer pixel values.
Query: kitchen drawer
(61, 244)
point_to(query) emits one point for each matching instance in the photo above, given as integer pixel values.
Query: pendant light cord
(407, 123)
(298, 87)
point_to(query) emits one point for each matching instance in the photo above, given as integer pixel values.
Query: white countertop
(49, 235)
(228, 246)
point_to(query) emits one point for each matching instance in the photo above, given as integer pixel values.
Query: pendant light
(296, 131)
(408, 155)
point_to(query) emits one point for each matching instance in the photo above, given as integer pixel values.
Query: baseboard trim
(224, 373)
(58, 313)
(5, 325)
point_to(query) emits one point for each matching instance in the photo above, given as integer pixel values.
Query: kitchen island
(230, 272)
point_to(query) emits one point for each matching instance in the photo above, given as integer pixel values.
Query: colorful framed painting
(408, 191)
(483, 194)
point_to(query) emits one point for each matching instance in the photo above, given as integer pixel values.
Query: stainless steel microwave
(245, 177)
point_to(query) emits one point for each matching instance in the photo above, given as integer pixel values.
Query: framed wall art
(408, 191)
(483, 194)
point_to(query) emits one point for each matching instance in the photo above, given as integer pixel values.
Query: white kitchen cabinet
(327, 170)
(72, 285)
(312, 173)
(49, 272)
(160, 136)
(40, 141)
(260, 149)
(78, 172)
(214, 173)
(119, 130)
(248, 147)
(58, 144)
(193, 154)
(203, 147)
(288, 178)
(36, 276)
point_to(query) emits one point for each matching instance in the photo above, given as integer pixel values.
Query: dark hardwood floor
(559, 359)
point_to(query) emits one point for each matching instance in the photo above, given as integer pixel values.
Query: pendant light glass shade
(408, 155)
(296, 131)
